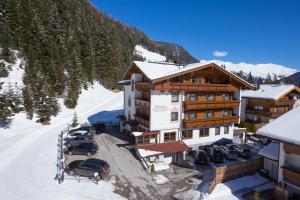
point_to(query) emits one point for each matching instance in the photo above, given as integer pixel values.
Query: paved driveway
(130, 178)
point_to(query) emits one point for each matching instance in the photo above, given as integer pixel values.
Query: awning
(270, 151)
(168, 147)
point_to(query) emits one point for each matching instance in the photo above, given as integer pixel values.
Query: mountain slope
(294, 79)
(67, 45)
(257, 70)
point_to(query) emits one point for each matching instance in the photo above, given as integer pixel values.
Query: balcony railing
(191, 123)
(143, 120)
(291, 175)
(284, 102)
(196, 87)
(142, 103)
(192, 105)
(142, 86)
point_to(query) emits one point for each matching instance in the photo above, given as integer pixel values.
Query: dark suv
(82, 149)
(92, 168)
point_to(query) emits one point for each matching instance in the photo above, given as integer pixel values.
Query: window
(132, 85)
(226, 130)
(129, 101)
(169, 136)
(187, 134)
(147, 139)
(210, 97)
(217, 131)
(208, 80)
(140, 139)
(194, 79)
(193, 97)
(192, 115)
(226, 113)
(209, 114)
(204, 132)
(258, 107)
(175, 97)
(226, 97)
(129, 115)
(174, 116)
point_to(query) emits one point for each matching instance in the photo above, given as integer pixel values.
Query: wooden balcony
(284, 103)
(142, 86)
(143, 120)
(291, 175)
(196, 87)
(193, 105)
(191, 123)
(290, 148)
(142, 103)
(264, 113)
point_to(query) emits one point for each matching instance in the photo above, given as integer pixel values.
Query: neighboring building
(261, 106)
(286, 153)
(171, 108)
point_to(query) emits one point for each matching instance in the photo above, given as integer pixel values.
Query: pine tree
(74, 120)
(268, 79)
(250, 78)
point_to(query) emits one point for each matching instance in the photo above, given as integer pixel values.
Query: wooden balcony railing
(142, 86)
(143, 120)
(191, 123)
(264, 113)
(291, 175)
(192, 105)
(196, 87)
(142, 103)
(284, 103)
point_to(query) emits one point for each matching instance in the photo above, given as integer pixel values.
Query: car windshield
(96, 162)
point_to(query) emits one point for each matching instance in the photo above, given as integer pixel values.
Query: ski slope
(28, 154)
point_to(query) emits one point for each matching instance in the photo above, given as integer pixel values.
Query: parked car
(73, 134)
(229, 154)
(215, 154)
(243, 150)
(89, 129)
(202, 158)
(77, 140)
(92, 168)
(82, 149)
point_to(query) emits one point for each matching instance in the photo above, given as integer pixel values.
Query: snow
(257, 70)
(135, 134)
(28, 153)
(270, 151)
(155, 70)
(15, 75)
(285, 128)
(268, 91)
(229, 190)
(160, 179)
(145, 153)
(148, 55)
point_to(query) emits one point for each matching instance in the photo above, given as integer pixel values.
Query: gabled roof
(269, 91)
(285, 128)
(270, 151)
(160, 71)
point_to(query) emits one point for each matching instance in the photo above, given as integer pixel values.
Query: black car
(73, 134)
(77, 140)
(92, 168)
(89, 129)
(229, 154)
(243, 150)
(82, 149)
(215, 154)
(202, 157)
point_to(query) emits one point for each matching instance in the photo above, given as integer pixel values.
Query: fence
(60, 157)
(233, 171)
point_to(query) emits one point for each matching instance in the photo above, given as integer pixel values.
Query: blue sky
(256, 31)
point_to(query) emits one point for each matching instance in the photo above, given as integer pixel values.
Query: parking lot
(129, 177)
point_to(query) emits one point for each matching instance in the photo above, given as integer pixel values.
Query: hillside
(294, 79)
(66, 46)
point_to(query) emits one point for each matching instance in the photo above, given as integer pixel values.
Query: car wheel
(70, 153)
(71, 172)
(89, 154)
(97, 176)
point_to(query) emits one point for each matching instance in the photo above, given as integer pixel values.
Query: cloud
(220, 53)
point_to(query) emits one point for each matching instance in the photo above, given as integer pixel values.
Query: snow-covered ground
(148, 55)
(28, 153)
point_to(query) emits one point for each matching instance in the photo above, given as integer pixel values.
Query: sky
(256, 31)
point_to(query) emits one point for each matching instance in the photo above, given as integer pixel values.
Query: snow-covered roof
(145, 153)
(285, 128)
(156, 70)
(270, 151)
(268, 91)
